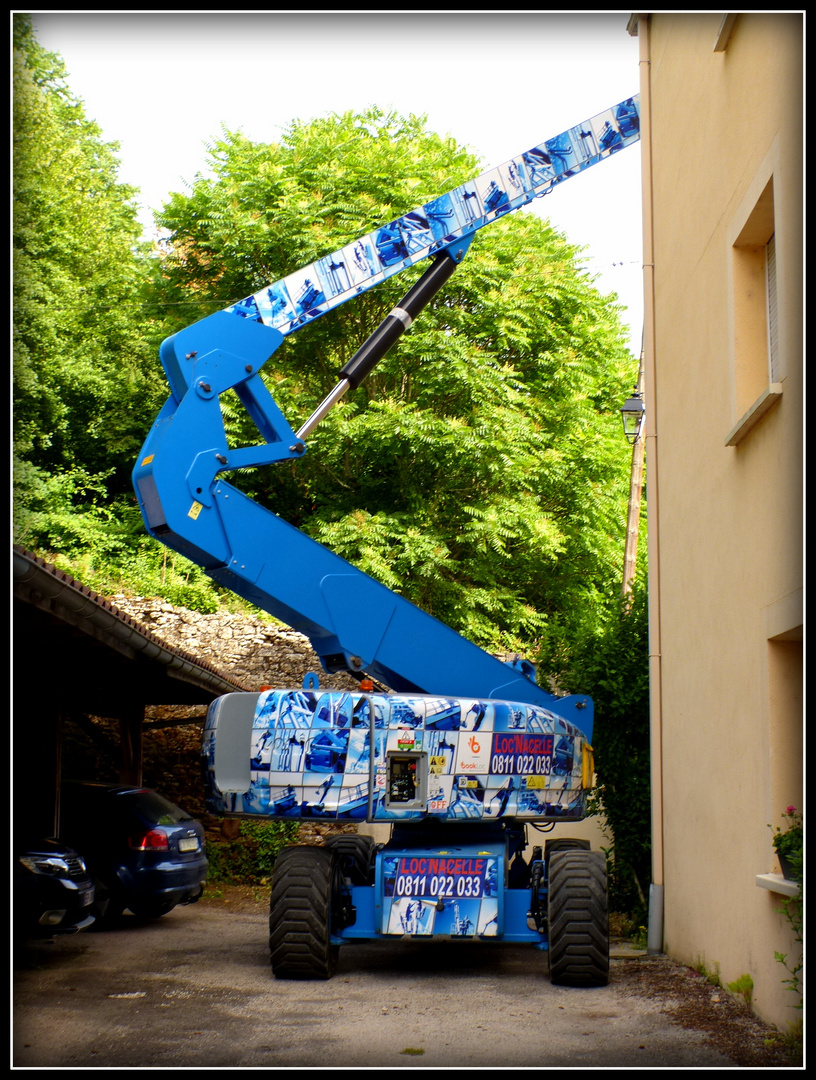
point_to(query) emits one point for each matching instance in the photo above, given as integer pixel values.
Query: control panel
(406, 780)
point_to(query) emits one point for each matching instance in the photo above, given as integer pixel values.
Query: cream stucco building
(722, 134)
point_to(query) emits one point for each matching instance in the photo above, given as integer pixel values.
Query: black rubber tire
(305, 885)
(578, 918)
(356, 856)
(563, 843)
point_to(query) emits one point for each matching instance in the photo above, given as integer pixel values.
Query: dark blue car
(53, 893)
(143, 852)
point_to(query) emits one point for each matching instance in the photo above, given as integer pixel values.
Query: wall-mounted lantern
(632, 413)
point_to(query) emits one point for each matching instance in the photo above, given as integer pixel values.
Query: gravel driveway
(195, 989)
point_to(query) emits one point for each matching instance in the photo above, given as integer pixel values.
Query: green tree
(84, 370)
(479, 470)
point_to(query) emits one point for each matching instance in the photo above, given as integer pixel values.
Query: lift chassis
(457, 751)
(457, 780)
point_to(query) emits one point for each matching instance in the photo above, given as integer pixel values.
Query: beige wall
(726, 543)
(591, 829)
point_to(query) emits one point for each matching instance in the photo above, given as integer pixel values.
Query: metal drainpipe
(655, 928)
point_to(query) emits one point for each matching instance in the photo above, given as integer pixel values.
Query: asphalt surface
(194, 989)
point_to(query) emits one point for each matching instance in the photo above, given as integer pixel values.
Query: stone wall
(251, 651)
(254, 653)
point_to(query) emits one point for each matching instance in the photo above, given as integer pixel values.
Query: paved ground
(194, 989)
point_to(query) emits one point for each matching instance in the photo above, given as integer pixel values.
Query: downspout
(641, 25)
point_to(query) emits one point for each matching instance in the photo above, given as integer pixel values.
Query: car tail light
(153, 840)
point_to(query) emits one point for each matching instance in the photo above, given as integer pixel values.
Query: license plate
(86, 898)
(188, 843)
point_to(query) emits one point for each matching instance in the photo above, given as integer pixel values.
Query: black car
(143, 852)
(53, 892)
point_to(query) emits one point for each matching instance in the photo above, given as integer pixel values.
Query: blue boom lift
(454, 749)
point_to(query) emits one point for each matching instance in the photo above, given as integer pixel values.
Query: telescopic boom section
(354, 623)
(390, 330)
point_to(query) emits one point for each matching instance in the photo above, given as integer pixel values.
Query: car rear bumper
(167, 882)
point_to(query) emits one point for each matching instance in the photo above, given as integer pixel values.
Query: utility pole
(635, 495)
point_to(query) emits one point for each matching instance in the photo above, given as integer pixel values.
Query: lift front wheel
(306, 884)
(577, 918)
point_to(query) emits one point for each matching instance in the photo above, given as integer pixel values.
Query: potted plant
(788, 842)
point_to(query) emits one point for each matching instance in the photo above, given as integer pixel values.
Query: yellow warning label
(437, 763)
(536, 781)
(195, 510)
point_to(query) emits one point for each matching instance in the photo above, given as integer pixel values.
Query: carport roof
(71, 641)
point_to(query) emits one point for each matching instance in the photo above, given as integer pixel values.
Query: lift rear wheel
(577, 918)
(306, 884)
(356, 856)
(563, 843)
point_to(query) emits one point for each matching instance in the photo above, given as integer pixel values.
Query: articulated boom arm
(354, 623)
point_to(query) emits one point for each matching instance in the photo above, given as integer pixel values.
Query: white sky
(162, 84)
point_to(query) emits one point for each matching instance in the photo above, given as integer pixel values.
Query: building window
(755, 322)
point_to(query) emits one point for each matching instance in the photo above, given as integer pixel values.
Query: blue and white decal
(310, 756)
(321, 286)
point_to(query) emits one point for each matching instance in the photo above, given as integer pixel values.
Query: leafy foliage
(479, 470)
(250, 857)
(788, 841)
(611, 664)
(102, 541)
(84, 385)
(789, 845)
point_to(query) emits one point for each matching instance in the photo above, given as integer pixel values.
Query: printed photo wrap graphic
(457, 918)
(321, 286)
(439, 893)
(311, 757)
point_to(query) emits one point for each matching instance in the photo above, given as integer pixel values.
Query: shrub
(250, 857)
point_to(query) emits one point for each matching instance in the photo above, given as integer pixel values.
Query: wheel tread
(300, 909)
(578, 918)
